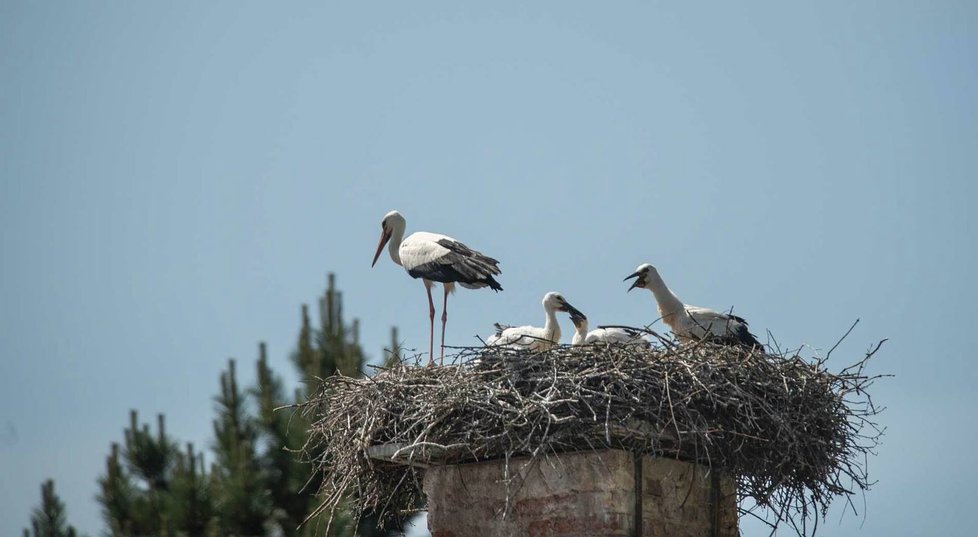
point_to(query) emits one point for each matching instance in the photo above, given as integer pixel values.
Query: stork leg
(431, 318)
(444, 319)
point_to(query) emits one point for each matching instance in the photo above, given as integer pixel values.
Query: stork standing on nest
(436, 258)
(535, 338)
(619, 335)
(691, 322)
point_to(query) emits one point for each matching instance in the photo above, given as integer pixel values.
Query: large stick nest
(794, 435)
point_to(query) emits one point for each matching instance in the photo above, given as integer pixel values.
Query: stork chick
(691, 322)
(535, 338)
(605, 334)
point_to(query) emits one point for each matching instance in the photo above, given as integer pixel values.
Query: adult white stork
(618, 335)
(691, 322)
(534, 338)
(436, 258)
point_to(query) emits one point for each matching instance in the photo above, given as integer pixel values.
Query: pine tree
(150, 457)
(190, 503)
(339, 348)
(118, 496)
(150, 488)
(243, 503)
(282, 432)
(333, 349)
(135, 488)
(306, 356)
(394, 354)
(49, 520)
(256, 484)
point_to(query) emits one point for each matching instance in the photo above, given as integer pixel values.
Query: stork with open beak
(691, 322)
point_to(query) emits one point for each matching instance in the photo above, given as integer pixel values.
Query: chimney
(608, 493)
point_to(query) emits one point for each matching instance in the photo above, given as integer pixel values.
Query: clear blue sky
(176, 178)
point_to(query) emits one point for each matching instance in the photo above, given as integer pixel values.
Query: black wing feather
(461, 264)
(744, 336)
(741, 334)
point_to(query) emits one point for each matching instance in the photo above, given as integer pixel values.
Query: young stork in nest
(534, 338)
(436, 258)
(691, 322)
(618, 335)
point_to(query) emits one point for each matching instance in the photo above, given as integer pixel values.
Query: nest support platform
(612, 493)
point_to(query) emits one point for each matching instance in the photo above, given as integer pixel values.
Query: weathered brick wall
(677, 500)
(578, 495)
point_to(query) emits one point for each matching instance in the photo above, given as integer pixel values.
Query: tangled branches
(794, 435)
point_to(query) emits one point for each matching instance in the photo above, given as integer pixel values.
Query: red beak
(384, 237)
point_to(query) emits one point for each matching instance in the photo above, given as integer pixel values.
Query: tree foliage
(255, 484)
(49, 519)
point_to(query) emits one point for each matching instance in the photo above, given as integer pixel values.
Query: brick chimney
(607, 493)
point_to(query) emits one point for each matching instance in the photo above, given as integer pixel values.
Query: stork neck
(669, 303)
(580, 334)
(394, 246)
(550, 328)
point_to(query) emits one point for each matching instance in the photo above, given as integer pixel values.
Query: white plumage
(691, 322)
(616, 335)
(434, 257)
(534, 338)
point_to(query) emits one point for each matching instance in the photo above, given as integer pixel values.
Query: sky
(177, 178)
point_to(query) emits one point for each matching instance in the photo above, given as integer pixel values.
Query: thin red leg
(444, 319)
(431, 318)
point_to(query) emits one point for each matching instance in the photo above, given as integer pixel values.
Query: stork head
(643, 276)
(579, 320)
(580, 329)
(391, 222)
(556, 302)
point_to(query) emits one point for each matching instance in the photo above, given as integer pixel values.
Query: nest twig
(792, 434)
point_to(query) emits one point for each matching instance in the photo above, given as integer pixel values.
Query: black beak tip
(638, 279)
(632, 275)
(573, 312)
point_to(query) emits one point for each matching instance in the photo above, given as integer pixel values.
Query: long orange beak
(384, 237)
